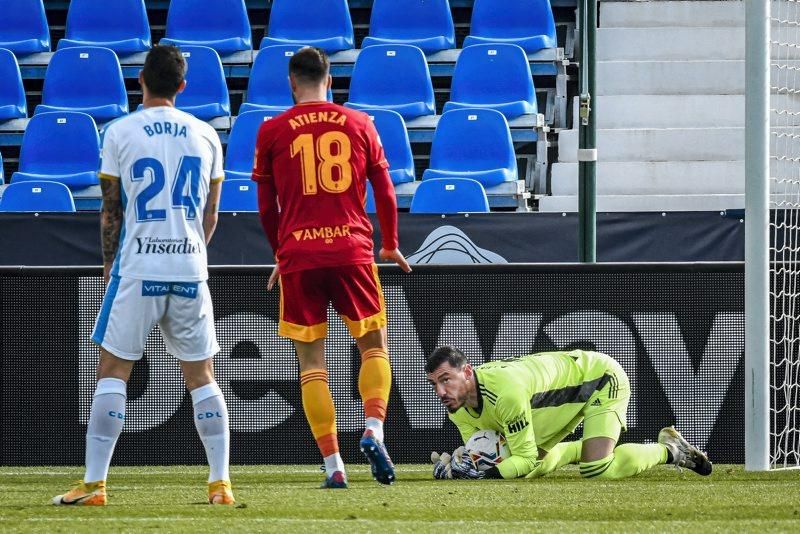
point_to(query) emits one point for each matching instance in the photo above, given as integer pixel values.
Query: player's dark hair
(164, 70)
(451, 355)
(310, 65)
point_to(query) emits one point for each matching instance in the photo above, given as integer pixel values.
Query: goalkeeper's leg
(621, 462)
(600, 458)
(318, 406)
(564, 453)
(605, 414)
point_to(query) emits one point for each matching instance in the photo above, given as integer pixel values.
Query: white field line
(260, 470)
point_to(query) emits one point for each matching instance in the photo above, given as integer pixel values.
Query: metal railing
(587, 134)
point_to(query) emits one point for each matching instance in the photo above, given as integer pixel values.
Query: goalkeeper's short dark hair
(164, 70)
(310, 65)
(451, 355)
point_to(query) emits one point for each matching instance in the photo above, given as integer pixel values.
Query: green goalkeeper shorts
(604, 414)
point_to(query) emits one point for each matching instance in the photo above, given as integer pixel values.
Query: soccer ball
(487, 448)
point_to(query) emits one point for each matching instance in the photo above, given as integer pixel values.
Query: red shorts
(354, 291)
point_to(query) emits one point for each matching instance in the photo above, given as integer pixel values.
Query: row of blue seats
(395, 77)
(440, 195)
(474, 143)
(122, 25)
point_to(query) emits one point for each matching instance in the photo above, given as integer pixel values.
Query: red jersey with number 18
(317, 156)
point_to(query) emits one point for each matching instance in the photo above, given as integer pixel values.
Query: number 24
(188, 171)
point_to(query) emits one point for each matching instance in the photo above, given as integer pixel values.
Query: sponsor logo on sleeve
(517, 425)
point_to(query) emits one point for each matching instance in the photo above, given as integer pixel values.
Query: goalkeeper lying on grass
(538, 400)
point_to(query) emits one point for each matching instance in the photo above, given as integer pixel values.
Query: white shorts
(131, 308)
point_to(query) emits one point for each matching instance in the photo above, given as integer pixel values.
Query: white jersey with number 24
(165, 160)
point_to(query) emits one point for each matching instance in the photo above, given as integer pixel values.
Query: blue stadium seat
(268, 88)
(12, 93)
(394, 136)
(369, 202)
(23, 27)
(37, 196)
(325, 24)
(2, 170)
(242, 144)
(427, 24)
(392, 77)
(222, 25)
(450, 195)
(86, 79)
(60, 147)
(527, 23)
(120, 25)
(206, 94)
(495, 76)
(239, 195)
(473, 143)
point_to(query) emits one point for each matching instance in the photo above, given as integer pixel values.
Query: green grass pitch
(286, 499)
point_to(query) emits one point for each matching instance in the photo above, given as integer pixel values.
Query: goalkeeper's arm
(515, 416)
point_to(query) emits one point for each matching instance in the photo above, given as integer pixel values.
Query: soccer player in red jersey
(312, 164)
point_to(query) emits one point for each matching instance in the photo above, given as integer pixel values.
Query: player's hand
(461, 466)
(395, 256)
(441, 466)
(273, 278)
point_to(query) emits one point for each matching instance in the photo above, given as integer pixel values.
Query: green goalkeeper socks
(626, 461)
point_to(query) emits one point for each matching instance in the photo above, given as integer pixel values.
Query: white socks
(108, 416)
(333, 463)
(105, 424)
(211, 421)
(376, 425)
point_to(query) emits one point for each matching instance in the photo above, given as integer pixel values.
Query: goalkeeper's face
(451, 385)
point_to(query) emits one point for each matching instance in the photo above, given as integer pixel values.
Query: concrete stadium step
(680, 13)
(654, 178)
(672, 178)
(617, 203)
(690, 111)
(670, 44)
(675, 144)
(724, 77)
(683, 44)
(670, 111)
(659, 14)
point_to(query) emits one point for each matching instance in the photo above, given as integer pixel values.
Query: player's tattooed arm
(110, 221)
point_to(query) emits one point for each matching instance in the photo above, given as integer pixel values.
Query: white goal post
(772, 234)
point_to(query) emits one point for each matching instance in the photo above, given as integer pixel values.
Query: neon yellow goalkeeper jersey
(535, 401)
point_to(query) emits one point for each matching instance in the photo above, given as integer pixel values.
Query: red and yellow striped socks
(319, 409)
(375, 382)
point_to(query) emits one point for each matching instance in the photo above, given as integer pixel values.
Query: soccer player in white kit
(160, 175)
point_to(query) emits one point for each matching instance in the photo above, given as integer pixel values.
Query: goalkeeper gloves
(458, 465)
(441, 466)
(461, 465)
